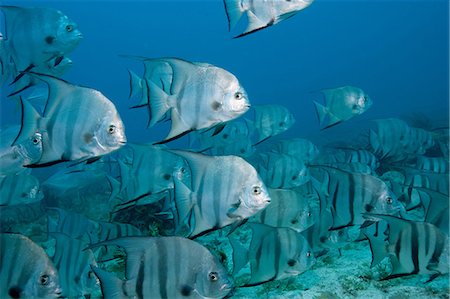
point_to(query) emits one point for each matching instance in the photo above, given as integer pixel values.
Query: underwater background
(397, 51)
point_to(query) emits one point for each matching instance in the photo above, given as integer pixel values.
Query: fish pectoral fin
(233, 209)
(234, 12)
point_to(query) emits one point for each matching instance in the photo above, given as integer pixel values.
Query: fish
(433, 164)
(412, 247)
(146, 172)
(73, 262)
(289, 208)
(225, 190)
(342, 103)
(26, 271)
(261, 14)
(22, 188)
(270, 120)
(77, 124)
(347, 156)
(15, 158)
(74, 225)
(17, 216)
(321, 238)
(300, 148)
(36, 36)
(348, 195)
(165, 267)
(200, 96)
(282, 171)
(273, 254)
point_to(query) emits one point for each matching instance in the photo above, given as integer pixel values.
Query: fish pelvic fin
(112, 286)
(234, 12)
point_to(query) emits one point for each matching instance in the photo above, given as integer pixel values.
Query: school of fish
(131, 220)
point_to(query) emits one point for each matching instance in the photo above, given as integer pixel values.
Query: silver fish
(261, 14)
(73, 262)
(200, 96)
(165, 267)
(37, 35)
(289, 208)
(348, 195)
(413, 247)
(271, 120)
(225, 190)
(13, 158)
(74, 225)
(282, 171)
(19, 188)
(273, 254)
(300, 148)
(78, 123)
(342, 103)
(26, 271)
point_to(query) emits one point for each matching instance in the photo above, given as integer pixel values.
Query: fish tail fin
(234, 12)
(29, 121)
(136, 85)
(159, 103)
(111, 285)
(321, 111)
(240, 255)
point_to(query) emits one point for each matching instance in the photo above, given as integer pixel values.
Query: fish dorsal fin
(30, 119)
(328, 93)
(182, 70)
(115, 187)
(234, 11)
(57, 91)
(198, 164)
(321, 111)
(178, 127)
(240, 255)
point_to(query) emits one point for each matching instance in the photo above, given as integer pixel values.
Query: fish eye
(389, 200)
(291, 262)
(309, 214)
(294, 177)
(238, 95)
(69, 28)
(36, 139)
(90, 274)
(308, 254)
(213, 276)
(44, 279)
(256, 190)
(112, 129)
(281, 124)
(167, 176)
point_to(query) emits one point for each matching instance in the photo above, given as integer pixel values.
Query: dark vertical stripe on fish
(162, 268)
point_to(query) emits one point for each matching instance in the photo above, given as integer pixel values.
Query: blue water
(396, 51)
